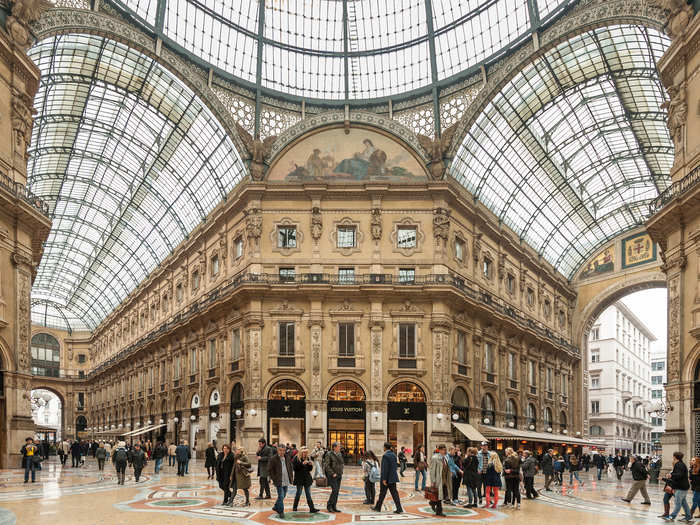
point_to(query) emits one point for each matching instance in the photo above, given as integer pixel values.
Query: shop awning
(139, 431)
(471, 433)
(147, 429)
(546, 437)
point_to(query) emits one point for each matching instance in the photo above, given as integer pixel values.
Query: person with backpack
(639, 475)
(370, 475)
(119, 460)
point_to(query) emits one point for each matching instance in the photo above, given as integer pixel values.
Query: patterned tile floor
(80, 496)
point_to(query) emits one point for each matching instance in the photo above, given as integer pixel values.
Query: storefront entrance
(406, 414)
(346, 419)
(236, 414)
(286, 414)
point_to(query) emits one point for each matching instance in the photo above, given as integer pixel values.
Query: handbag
(432, 494)
(321, 482)
(668, 489)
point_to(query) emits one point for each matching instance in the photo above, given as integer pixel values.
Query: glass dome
(342, 49)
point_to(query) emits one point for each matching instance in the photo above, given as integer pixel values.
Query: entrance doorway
(406, 414)
(346, 419)
(236, 413)
(286, 413)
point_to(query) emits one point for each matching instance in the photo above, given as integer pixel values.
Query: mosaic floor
(82, 496)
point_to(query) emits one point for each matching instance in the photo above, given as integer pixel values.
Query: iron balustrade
(469, 289)
(20, 191)
(675, 190)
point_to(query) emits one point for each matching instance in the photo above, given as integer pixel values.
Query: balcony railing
(21, 192)
(675, 190)
(469, 289)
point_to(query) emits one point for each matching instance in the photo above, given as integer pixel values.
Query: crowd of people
(482, 472)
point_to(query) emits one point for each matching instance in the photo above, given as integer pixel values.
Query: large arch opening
(346, 420)
(47, 413)
(407, 413)
(286, 413)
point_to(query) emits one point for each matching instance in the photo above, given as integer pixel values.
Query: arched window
(287, 390)
(548, 419)
(460, 405)
(406, 393)
(531, 417)
(80, 424)
(511, 414)
(237, 393)
(346, 391)
(488, 413)
(46, 355)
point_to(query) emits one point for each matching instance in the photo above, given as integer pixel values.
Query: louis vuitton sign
(346, 409)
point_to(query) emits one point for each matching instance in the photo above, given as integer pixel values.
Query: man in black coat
(265, 453)
(138, 461)
(76, 451)
(619, 463)
(599, 462)
(333, 466)
(388, 479)
(281, 472)
(639, 475)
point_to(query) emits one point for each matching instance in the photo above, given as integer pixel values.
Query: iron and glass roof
(343, 49)
(572, 150)
(130, 161)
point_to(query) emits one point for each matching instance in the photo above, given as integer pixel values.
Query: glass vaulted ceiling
(572, 150)
(130, 161)
(338, 49)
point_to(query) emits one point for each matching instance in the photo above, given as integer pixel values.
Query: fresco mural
(602, 263)
(638, 249)
(360, 156)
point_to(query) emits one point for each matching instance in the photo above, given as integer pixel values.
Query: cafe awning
(546, 437)
(471, 433)
(147, 429)
(138, 431)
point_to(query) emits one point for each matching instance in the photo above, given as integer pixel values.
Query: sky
(650, 307)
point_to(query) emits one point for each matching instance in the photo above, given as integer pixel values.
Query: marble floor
(81, 496)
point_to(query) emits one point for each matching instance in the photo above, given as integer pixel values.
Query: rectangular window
(461, 347)
(548, 380)
(595, 382)
(564, 385)
(511, 366)
(81, 358)
(595, 407)
(212, 353)
(238, 247)
(193, 361)
(195, 280)
(657, 421)
(489, 358)
(81, 399)
(407, 275)
(530, 296)
(595, 356)
(510, 283)
(658, 365)
(595, 334)
(176, 368)
(345, 237)
(286, 237)
(235, 344)
(657, 394)
(215, 266)
(407, 340)
(532, 373)
(346, 339)
(287, 275)
(486, 267)
(657, 380)
(346, 275)
(459, 249)
(406, 237)
(286, 342)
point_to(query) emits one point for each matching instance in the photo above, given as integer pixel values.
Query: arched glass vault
(129, 160)
(571, 151)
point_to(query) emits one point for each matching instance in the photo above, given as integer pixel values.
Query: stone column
(255, 415)
(24, 226)
(315, 425)
(439, 427)
(376, 405)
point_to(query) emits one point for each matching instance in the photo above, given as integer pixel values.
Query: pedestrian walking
(574, 467)
(101, 456)
(241, 475)
(600, 463)
(224, 470)
(30, 459)
(76, 452)
(317, 457)
(640, 476)
(333, 466)
(440, 480)
(454, 460)
(172, 459)
(559, 466)
(420, 464)
(619, 464)
(483, 457)
(183, 455)
(265, 453)
(548, 469)
(529, 468)
(138, 461)
(678, 480)
(511, 469)
(388, 480)
(303, 465)
(210, 460)
(120, 457)
(494, 469)
(158, 454)
(471, 477)
(370, 475)
(281, 473)
(695, 483)
(402, 461)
